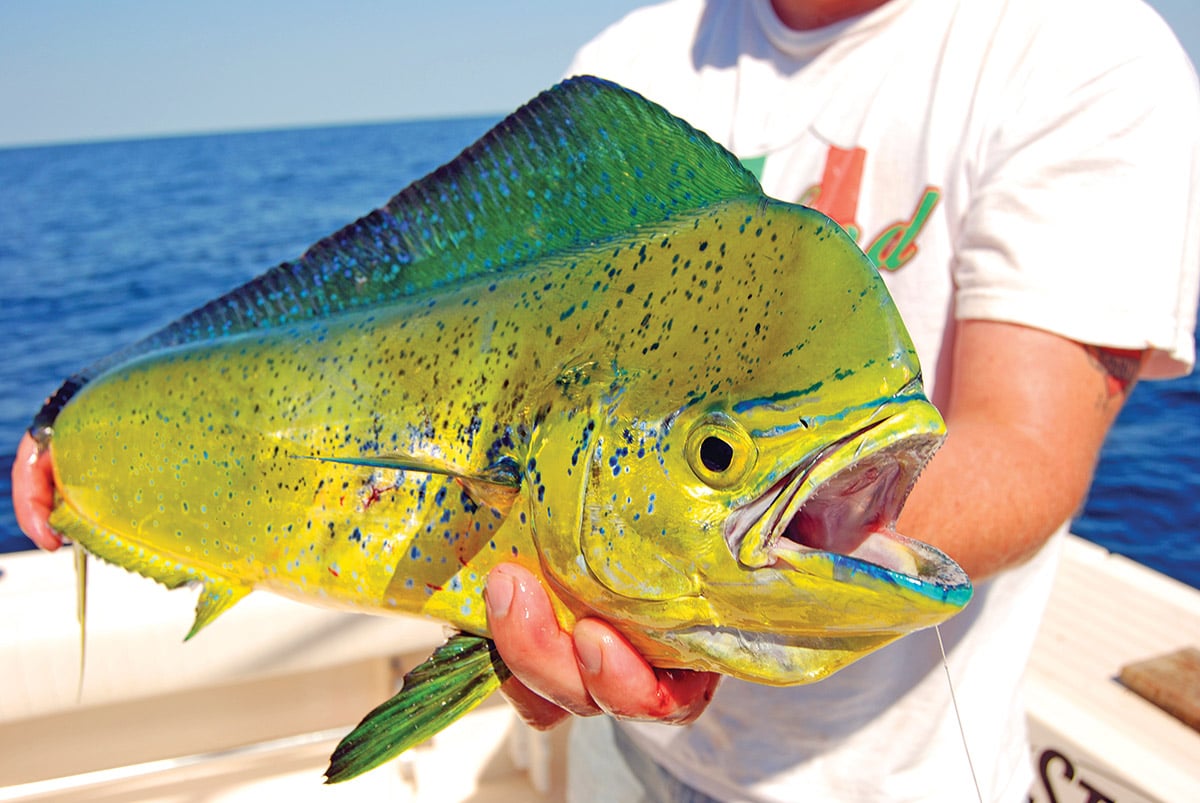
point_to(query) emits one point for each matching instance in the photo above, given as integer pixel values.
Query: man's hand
(589, 671)
(33, 494)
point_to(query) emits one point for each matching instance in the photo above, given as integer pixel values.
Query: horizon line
(250, 128)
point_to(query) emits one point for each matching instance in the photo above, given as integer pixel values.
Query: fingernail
(590, 653)
(498, 594)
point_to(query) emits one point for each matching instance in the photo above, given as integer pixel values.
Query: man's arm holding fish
(1028, 412)
(1016, 463)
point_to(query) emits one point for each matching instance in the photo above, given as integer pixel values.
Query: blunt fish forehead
(805, 340)
(785, 342)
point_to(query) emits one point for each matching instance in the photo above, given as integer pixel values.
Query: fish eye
(716, 454)
(720, 451)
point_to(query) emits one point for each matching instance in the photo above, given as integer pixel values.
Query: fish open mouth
(842, 501)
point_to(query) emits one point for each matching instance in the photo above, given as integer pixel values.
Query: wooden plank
(200, 720)
(1172, 682)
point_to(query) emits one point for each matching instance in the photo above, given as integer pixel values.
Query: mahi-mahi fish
(589, 345)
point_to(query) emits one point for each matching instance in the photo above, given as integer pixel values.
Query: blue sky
(75, 70)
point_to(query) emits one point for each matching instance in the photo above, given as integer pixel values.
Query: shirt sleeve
(1086, 214)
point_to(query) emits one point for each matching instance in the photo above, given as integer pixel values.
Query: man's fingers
(530, 641)
(531, 707)
(623, 684)
(33, 494)
(592, 670)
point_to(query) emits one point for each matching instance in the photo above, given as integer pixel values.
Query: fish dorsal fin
(579, 164)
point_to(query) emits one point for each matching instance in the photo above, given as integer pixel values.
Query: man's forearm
(1027, 414)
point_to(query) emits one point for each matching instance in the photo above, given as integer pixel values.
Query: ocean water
(102, 243)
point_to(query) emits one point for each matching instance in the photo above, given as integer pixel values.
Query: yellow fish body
(589, 345)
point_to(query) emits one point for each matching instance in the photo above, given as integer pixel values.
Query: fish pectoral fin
(457, 677)
(485, 494)
(495, 486)
(216, 597)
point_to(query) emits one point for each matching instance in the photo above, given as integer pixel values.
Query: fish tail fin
(457, 677)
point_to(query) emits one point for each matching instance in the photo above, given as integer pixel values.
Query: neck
(807, 15)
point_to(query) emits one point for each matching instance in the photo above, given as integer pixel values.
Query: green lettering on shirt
(837, 196)
(896, 245)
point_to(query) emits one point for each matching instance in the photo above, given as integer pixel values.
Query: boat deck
(1089, 731)
(252, 707)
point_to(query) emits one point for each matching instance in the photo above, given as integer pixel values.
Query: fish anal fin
(217, 593)
(216, 597)
(457, 677)
(114, 548)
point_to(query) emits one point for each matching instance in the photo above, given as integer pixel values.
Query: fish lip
(848, 515)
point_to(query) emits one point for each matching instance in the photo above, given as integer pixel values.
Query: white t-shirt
(1029, 161)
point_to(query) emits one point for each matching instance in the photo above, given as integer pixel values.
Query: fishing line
(957, 715)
